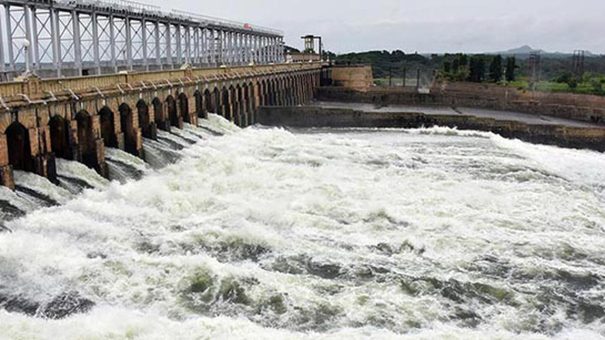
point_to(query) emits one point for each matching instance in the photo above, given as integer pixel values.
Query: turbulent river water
(266, 233)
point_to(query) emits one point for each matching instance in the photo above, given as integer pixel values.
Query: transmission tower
(534, 68)
(578, 63)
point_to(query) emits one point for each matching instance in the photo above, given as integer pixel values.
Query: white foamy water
(319, 234)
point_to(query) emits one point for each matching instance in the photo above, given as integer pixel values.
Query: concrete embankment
(584, 108)
(551, 134)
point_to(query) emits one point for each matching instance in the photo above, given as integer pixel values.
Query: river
(267, 233)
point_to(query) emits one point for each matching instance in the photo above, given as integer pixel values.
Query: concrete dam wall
(307, 117)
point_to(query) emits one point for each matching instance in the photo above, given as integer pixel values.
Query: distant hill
(524, 51)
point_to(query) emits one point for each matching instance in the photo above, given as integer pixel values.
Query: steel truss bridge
(87, 37)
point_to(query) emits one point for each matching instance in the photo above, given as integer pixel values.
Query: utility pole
(405, 71)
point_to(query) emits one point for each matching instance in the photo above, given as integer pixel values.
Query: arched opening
(128, 128)
(225, 110)
(238, 106)
(199, 105)
(261, 93)
(108, 127)
(251, 97)
(172, 111)
(184, 108)
(19, 147)
(208, 102)
(216, 100)
(85, 138)
(269, 93)
(59, 137)
(288, 92)
(233, 99)
(145, 122)
(158, 114)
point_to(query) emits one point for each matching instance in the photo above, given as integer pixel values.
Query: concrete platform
(459, 111)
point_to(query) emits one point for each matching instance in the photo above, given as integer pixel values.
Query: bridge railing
(47, 88)
(13, 88)
(79, 83)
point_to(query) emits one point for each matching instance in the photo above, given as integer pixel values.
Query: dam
(233, 195)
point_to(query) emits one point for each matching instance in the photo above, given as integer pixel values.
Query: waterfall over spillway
(268, 233)
(124, 166)
(33, 192)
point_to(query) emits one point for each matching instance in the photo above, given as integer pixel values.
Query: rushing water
(350, 234)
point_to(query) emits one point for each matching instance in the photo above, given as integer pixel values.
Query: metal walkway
(85, 37)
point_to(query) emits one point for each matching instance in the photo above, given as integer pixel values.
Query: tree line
(475, 68)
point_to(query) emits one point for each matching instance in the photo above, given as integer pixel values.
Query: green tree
(477, 69)
(495, 69)
(463, 60)
(511, 66)
(447, 67)
(456, 65)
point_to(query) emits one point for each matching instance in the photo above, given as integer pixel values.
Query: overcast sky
(421, 25)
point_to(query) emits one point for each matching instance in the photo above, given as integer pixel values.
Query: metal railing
(225, 22)
(117, 4)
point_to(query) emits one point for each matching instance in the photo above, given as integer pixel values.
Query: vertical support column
(197, 45)
(187, 44)
(158, 47)
(112, 47)
(229, 48)
(33, 37)
(77, 41)
(179, 47)
(260, 50)
(219, 47)
(209, 38)
(244, 49)
(127, 24)
(234, 49)
(272, 49)
(28, 32)
(210, 42)
(56, 42)
(95, 41)
(279, 50)
(144, 47)
(169, 44)
(2, 61)
(9, 30)
(255, 47)
(203, 39)
(267, 50)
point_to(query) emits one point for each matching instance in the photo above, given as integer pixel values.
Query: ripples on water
(268, 233)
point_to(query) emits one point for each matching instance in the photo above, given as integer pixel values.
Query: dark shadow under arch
(60, 141)
(19, 147)
(108, 127)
